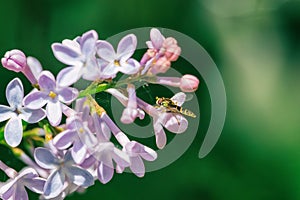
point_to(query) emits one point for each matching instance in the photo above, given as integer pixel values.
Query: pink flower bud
(148, 55)
(171, 49)
(189, 83)
(14, 60)
(161, 65)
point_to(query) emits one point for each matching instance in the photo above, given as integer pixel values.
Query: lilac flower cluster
(77, 147)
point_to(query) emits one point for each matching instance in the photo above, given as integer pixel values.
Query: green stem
(96, 87)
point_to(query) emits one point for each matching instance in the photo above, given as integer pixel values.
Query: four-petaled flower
(136, 151)
(112, 62)
(63, 170)
(16, 112)
(102, 158)
(80, 55)
(14, 188)
(52, 95)
(78, 134)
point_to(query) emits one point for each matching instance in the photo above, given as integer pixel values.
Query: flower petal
(13, 132)
(126, 47)
(88, 162)
(54, 184)
(64, 139)
(109, 71)
(15, 93)
(35, 66)
(160, 134)
(27, 173)
(32, 116)
(88, 42)
(66, 54)
(72, 44)
(45, 158)
(105, 173)
(69, 75)
(175, 123)
(79, 152)
(136, 148)
(67, 95)
(7, 190)
(20, 193)
(106, 51)
(47, 81)
(137, 166)
(131, 66)
(101, 129)
(35, 99)
(157, 38)
(121, 158)
(148, 154)
(54, 112)
(6, 113)
(36, 184)
(91, 70)
(79, 176)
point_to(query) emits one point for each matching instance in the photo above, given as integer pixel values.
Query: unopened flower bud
(189, 83)
(171, 49)
(161, 65)
(14, 60)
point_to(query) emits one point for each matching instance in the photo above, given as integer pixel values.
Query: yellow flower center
(117, 63)
(52, 94)
(81, 130)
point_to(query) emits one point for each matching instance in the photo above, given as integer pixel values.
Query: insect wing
(179, 98)
(189, 97)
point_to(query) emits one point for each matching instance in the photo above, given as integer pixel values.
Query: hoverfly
(174, 104)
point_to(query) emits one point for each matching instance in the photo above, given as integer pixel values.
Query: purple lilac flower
(129, 103)
(79, 54)
(63, 170)
(52, 95)
(174, 122)
(16, 112)
(133, 149)
(14, 188)
(102, 158)
(136, 151)
(105, 152)
(78, 134)
(130, 112)
(112, 62)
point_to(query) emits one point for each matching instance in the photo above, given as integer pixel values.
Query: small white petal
(6, 113)
(32, 116)
(55, 184)
(54, 112)
(15, 93)
(80, 176)
(13, 132)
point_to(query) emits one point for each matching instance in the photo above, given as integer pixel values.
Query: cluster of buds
(72, 146)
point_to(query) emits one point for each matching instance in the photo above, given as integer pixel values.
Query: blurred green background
(256, 46)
